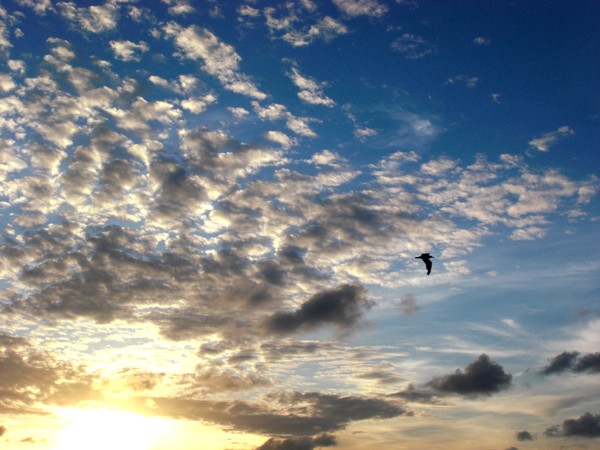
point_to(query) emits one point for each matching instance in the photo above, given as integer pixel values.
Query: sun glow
(96, 429)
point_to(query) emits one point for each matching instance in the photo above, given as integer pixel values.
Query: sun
(96, 429)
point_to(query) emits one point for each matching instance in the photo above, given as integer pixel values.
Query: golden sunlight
(95, 429)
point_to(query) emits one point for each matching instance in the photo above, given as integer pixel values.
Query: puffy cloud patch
(361, 7)
(93, 19)
(219, 59)
(573, 362)
(482, 377)
(408, 305)
(523, 436)
(127, 50)
(343, 307)
(585, 426)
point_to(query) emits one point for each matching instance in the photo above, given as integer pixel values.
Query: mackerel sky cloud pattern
(211, 211)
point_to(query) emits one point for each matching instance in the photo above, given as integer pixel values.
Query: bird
(427, 260)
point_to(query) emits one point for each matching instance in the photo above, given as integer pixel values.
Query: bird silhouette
(427, 260)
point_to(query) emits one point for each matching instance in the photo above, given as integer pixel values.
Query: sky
(211, 211)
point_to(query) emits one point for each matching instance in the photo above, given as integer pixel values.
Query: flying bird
(427, 260)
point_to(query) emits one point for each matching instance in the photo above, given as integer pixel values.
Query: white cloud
(310, 90)
(327, 158)
(362, 133)
(93, 19)
(219, 59)
(7, 84)
(277, 111)
(280, 138)
(544, 142)
(39, 6)
(17, 65)
(326, 29)
(480, 40)
(127, 50)
(238, 112)
(249, 11)
(361, 7)
(4, 41)
(198, 105)
(179, 7)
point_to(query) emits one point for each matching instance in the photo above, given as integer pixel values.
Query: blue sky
(211, 212)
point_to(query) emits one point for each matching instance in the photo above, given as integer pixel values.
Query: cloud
(574, 362)
(2, 430)
(31, 379)
(310, 90)
(420, 396)
(585, 426)
(361, 7)
(481, 41)
(470, 82)
(325, 29)
(280, 138)
(277, 111)
(524, 436)
(481, 377)
(219, 59)
(179, 7)
(342, 306)
(408, 305)
(300, 443)
(289, 413)
(93, 19)
(413, 47)
(547, 140)
(39, 6)
(198, 105)
(127, 50)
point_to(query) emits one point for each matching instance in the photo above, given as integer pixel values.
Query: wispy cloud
(311, 91)
(547, 140)
(413, 47)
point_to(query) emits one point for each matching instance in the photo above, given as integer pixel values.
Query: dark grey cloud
(482, 377)
(413, 395)
(299, 443)
(524, 436)
(586, 426)
(560, 363)
(288, 414)
(588, 363)
(343, 307)
(573, 362)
